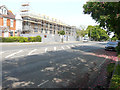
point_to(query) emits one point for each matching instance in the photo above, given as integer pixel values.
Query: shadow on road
(67, 68)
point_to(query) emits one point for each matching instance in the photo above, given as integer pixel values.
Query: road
(51, 66)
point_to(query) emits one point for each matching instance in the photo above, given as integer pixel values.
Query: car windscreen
(112, 43)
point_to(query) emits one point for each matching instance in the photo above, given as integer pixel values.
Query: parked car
(85, 40)
(111, 45)
(117, 40)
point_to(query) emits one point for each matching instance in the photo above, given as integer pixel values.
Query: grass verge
(115, 82)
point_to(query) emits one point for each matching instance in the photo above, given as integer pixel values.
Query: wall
(51, 37)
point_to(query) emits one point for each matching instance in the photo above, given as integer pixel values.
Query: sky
(67, 11)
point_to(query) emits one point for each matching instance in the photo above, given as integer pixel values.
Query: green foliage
(62, 32)
(118, 49)
(96, 33)
(81, 33)
(107, 14)
(38, 39)
(110, 68)
(115, 37)
(21, 39)
(116, 78)
(31, 39)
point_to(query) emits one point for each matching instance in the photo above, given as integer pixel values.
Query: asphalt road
(51, 66)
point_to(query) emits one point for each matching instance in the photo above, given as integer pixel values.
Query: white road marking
(43, 83)
(62, 47)
(55, 48)
(102, 63)
(72, 45)
(18, 56)
(2, 53)
(13, 54)
(46, 49)
(68, 46)
(30, 53)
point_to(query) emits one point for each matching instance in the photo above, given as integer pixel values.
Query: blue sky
(68, 11)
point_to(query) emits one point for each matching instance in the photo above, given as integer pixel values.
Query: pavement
(52, 65)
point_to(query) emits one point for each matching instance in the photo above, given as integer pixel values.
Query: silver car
(111, 45)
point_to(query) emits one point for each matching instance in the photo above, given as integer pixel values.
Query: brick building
(7, 22)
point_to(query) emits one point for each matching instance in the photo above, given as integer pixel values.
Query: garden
(20, 39)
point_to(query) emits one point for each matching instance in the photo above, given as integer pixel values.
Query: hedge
(20, 39)
(116, 78)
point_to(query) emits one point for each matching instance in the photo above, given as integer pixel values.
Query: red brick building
(7, 22)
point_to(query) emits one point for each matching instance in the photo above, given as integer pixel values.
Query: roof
(9, 13)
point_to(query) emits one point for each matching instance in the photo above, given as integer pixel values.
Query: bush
(21, 39)
(116, 78)
(31, 39)
(118, 49)
(38, 39)
(110, 69)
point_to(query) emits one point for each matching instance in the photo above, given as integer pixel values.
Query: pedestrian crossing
(35, 51)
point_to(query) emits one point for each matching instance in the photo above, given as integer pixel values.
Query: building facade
(7, 22)
(36, 24)
(18, 23)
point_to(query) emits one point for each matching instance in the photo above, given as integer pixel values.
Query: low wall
(51, 37)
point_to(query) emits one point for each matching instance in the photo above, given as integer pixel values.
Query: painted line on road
(2, 52)
(18, 56)
(55, 48)
(14, 54)
(102, 63)
(67, 46)
(72, 45)
(62, 47)
(46, 49)
(30, 53)
(43, 83)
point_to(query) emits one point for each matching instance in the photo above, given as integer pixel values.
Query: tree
(107, 14)
(96, 33)
(62, 32)
(81, 32)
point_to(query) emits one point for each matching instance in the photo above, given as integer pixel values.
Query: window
(41, 30)
(50, 31)
(5, 22)
(35, 29)
(11, 23)
(46, 31)
(11, 33)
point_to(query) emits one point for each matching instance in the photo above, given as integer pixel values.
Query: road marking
(72, 45)
(46, 49)
(13, 54)
(55, 48)
(43, 83)
(68, 46)
(62, 47)
(102, 63)
(30, 53)
(2, 52)
(18, 56)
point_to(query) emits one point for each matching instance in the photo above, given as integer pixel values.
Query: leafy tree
(81, 31)
(107, 14)
(62, 32)
(96, 33)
